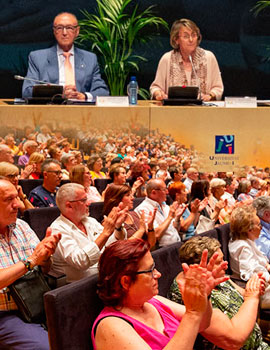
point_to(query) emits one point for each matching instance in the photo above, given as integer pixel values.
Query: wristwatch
(27, 264)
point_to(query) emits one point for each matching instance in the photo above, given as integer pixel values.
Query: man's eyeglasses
(70, 29)
(161, 189)
(153, 268)
(56, 172)
(83, 200)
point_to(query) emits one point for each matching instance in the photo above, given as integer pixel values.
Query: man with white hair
(262, 206)
(165, 231)
(192, 175)
(29, 147)
(83, 237)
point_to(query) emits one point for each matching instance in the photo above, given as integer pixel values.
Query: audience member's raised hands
(121, 215)
(180, 211)
(215, 273)
(45, 248)
(203, 204)
(173, 209)
(115, 219)
(255, 286)
(221, 204)
(195, 205)
(193, 288)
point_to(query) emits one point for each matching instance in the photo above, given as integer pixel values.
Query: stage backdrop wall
(229, 29)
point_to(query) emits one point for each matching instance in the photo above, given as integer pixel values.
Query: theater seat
(96, 211)
(41, 218)
(101, 184)
(29, 184)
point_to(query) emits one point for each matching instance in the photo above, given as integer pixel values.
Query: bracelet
(119, 228)
(151, 230)
(27, 264)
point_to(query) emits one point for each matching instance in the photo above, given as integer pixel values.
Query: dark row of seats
(70, 319)
(29, 184)
(41, 218)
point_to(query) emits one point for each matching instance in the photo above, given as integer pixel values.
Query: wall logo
(224, 144)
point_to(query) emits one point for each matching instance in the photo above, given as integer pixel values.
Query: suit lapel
(53, 70)
(79, 68)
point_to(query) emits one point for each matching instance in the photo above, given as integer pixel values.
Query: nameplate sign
(112, 101)
(240, 102)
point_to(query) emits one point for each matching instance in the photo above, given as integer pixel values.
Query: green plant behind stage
(260, 5)
(112, 33)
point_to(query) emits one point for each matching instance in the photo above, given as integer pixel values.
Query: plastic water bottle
(133, 91)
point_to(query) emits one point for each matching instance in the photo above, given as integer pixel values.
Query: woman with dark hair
(80, 174)
(135, 317)
(95, 165)
(134, 226)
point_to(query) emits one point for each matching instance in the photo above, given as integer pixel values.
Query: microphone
(18, 77)
(196, 76)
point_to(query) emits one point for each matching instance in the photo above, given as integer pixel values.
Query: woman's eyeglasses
(153, 268)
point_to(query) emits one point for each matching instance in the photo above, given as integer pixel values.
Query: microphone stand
(196, 76)
(18, 77)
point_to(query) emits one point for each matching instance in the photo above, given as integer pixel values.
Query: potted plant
(112, 33)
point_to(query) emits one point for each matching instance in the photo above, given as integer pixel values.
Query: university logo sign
(224, 144)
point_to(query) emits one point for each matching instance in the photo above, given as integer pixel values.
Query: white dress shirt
(148, 205)
(188, 183)
(246, 259)
(77, 254)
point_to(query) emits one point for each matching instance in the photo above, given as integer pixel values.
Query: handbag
(27, 293)
(204, 224)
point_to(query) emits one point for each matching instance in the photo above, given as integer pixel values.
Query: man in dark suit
(77, 70)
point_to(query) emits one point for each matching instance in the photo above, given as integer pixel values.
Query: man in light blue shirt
(262, 206)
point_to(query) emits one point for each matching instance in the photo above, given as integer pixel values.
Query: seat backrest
(224, 236)
(101, 184)
(29, 184)
(168, 264)
(71, 311)
(96, 210)
(39, 219)
(137, 201)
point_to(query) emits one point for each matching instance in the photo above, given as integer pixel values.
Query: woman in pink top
(135, 317)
